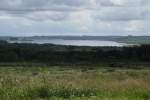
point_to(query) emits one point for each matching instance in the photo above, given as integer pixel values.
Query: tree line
(48, 53)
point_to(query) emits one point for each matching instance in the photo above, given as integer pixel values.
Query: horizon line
(70, 35)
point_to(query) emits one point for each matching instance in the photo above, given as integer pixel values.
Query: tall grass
(43, 83)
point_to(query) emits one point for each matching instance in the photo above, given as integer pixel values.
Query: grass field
(66, 83)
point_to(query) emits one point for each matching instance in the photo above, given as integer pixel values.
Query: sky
(74, 17)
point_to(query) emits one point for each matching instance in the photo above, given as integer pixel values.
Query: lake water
(75, 42)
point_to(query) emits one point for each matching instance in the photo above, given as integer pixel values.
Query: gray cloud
(41, 5)
(123, 14)
(35, 5)
(40, 16)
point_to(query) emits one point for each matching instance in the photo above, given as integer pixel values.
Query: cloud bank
(74, 17)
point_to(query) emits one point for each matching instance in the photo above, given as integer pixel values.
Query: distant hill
(134, 39)
(121, 39)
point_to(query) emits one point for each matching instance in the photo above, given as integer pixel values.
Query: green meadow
(74, 83)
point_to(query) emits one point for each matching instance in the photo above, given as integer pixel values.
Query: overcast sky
(74, 17)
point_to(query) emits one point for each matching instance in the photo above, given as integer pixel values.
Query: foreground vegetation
(70, 83)
(113, 73)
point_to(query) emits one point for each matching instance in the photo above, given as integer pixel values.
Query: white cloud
(126, 2)
(81, 19)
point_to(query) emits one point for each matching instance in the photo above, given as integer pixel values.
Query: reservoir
(74, 42)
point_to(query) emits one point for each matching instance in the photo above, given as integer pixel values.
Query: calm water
(75, 42)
